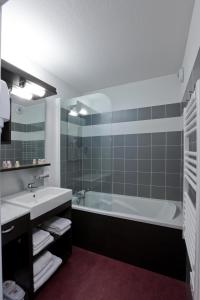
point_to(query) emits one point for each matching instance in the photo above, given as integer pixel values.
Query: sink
(40, 201)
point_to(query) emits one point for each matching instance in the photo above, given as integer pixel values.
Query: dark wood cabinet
(62, 245)
(17, 253)
(17, 249)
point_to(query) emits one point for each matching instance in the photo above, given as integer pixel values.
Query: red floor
(89, 276)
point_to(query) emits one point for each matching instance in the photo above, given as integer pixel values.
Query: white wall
(156, 91)
(192, 46)
(52, 140)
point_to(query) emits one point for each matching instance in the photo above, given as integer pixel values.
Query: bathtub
(153, 211)
(139, 231)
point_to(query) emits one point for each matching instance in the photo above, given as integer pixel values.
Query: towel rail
(190, 110)
(191, 117)
(191, 168)
(191, 176)
(191, 161)
(191, 102)
(189, 231)
(191, 153)
(193, 185)
(189, 132)
(191, 125)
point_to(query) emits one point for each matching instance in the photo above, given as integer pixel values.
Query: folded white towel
(56, 263)
(39, 236)
(57, 223)
(41, 262)
(41, 246)
(44, 271)
(44, 242)
(41, 243)
(58, 232)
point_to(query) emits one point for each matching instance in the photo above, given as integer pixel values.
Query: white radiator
(191, 200)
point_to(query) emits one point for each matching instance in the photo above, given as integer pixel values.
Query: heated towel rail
(191, 187)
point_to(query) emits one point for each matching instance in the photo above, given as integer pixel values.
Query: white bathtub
(153, 211)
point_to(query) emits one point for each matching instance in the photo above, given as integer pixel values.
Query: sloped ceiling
(93, 44)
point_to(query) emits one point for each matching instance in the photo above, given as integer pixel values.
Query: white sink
(40, 201)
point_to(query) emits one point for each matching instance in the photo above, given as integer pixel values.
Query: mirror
(27, 133)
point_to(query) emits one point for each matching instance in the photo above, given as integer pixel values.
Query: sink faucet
(32, 186)
(36, 183)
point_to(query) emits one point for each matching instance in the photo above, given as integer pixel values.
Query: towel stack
(41, 239)
(44, 267)
(57, 225)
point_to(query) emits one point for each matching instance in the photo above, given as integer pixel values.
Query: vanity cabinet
(17, 248)
(17, 253)
(62, 245)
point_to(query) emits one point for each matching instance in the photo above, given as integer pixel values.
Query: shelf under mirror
(24, 167)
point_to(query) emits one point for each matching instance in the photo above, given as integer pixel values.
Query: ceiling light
(83, 112)
(35, 89)
(73, 113)
(21, 93)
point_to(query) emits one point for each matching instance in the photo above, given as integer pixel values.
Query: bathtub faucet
(81, 194)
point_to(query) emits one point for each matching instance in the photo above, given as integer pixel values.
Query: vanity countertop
(10, 212)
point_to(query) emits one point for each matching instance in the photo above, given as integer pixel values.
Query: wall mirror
(27, 133)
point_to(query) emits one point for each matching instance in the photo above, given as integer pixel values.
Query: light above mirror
(22, 93)
(25, 85)
(28, 91)
(35, 89)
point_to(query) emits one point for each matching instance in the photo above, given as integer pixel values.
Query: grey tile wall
(146, 165)
(12, 152)
(23, 151)
(33, 150)
(40, 126)
(138, 114)
(71, 162)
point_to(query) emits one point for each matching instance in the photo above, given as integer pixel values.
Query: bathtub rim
(176, 223)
